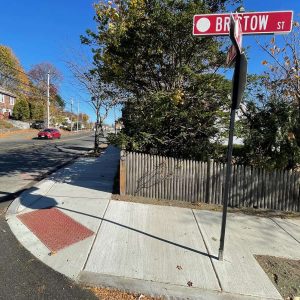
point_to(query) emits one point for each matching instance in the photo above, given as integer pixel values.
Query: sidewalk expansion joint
(96, 234)
(285, 230)
(208, 252)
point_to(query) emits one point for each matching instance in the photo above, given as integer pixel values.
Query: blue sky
(255, 55)
(46, 30)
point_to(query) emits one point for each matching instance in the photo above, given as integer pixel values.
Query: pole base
(220, 255)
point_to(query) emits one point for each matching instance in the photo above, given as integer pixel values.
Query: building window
(11, 100)
(2, 98)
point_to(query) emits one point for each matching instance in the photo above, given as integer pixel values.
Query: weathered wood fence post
(178, 179)
(209, 181)
(122, 173)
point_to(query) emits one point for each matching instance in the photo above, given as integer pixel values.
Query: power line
(27, 92)
(32, 86)
(13, 68)
(19, 81)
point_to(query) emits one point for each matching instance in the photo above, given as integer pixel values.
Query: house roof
(6, 92)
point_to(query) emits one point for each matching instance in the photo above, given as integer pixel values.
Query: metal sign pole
(239, 82)
(227, 182)
(237, 25)
(229, 154)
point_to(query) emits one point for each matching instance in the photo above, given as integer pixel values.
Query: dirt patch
(284, 273)
(110, 294)
(20, 133)
(136, 199)
(205, 206)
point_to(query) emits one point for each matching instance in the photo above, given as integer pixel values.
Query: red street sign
(236, 32)
(252, 23)
(231, 55)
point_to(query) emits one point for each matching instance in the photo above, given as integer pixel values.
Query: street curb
(14, 205)
(157, 289)
(66, 150)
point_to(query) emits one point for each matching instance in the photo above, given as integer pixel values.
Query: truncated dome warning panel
(54, 228)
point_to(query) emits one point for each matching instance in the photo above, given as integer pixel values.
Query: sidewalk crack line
(96, 234)
(285, 231)
(213, 266)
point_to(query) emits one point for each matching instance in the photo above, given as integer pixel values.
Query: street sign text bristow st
(252, 23)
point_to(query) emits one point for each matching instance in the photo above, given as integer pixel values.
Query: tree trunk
(97, 133)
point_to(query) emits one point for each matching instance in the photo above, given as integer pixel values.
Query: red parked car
(49, 133)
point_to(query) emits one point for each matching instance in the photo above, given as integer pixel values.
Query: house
(224, 130)
(7, 102)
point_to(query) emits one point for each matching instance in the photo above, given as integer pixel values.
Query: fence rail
(194, 181)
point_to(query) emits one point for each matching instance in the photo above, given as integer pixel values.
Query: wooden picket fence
(167, 178)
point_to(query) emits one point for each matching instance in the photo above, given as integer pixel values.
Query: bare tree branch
(103, 96)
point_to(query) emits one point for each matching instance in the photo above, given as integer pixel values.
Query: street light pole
(77, 115)
(115, 120)
(48, 100)
(71, 115)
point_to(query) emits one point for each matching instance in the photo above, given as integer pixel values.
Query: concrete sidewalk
(156, 250)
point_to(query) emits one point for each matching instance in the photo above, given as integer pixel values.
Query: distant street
(25, 160)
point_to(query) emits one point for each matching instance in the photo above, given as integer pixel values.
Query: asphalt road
(23, 276)
(22, 162)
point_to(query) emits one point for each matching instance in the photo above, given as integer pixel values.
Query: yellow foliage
(136, 3)
(11, 67)
(178, 97)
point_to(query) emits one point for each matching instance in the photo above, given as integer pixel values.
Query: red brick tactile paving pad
(54, 228)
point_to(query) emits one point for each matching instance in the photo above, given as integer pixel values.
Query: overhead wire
(32, 86)
(13, 68)
(19, 81)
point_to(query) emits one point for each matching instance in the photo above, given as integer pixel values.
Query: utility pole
(48, 99)
(115, 125)
(71, 115)
(77, 115)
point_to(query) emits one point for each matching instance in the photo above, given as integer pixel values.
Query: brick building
(7, 102)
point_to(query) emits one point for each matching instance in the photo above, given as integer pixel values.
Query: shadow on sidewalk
(47, 203)
(142, 232)
(72, 180)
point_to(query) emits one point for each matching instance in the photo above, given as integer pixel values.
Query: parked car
(38, 125)
(49, 133)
